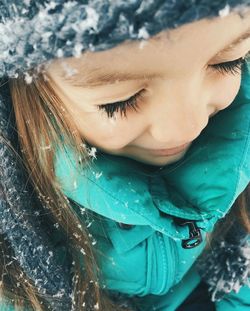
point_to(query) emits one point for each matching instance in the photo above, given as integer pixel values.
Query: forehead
(195, 41)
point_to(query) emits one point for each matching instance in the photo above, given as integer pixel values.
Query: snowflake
(82, 251)
(27, 78)
(92, 152)
(98, 175)
(143, 34)
(224, 12)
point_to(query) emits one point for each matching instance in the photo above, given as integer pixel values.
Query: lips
(168, 152)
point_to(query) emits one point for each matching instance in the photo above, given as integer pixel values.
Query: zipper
(175, 257)
(165, 273)
(169, 263)
(195, 237)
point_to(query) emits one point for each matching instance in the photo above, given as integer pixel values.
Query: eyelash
(231, 67)
(123, 106)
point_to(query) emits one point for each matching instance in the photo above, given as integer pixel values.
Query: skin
(178, 101)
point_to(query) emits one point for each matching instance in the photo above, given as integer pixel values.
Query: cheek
(225, 91)
(105, 133)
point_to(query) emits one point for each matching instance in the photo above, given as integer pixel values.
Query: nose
(176, 124)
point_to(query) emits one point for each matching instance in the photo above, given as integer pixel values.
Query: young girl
(125, 155)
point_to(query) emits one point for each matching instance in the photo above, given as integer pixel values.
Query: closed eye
(123, 106)
(232, 67)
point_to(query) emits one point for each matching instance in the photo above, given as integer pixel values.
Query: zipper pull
(125, 226)
(194, 233)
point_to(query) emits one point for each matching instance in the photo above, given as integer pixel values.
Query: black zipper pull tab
(194, 233)
(125, 226)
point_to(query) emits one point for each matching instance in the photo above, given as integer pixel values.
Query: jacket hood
(202, 186)
(34, 32)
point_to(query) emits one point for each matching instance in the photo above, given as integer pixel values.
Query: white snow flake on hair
(224, 12)
(48, 259)
(59, 53)
(27, 78)
(48, 147)
(56, 225)
(92, 152)
(69, 71)
(59, 294)
(82, 251)
(77, 50)
(82, 210)
(143, 34)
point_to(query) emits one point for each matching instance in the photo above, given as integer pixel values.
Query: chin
(147, 159)
(156, 161)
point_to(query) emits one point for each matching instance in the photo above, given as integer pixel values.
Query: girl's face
(157, 93)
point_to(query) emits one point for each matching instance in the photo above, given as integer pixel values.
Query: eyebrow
(94, 79)
(232, 45)
(106, 78)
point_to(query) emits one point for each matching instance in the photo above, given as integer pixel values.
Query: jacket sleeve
(235, 301)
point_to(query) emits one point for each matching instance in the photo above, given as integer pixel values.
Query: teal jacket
(151, 260)
(148, 260)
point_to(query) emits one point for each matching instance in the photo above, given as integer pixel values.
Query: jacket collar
(202, 186)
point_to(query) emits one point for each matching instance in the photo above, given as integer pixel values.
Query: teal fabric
(202, 186)
(175, 296)
(140, 269)
(235, 301)
(6, 306)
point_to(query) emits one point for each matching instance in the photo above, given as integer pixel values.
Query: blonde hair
(41, 119)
